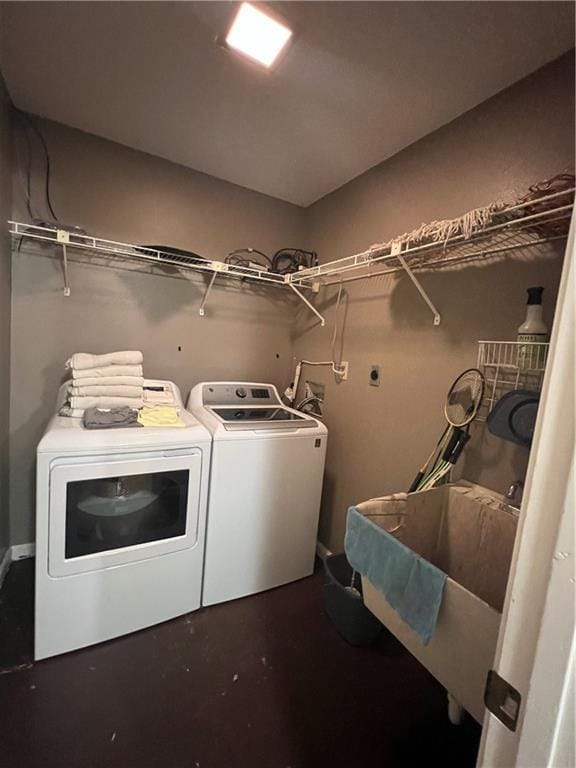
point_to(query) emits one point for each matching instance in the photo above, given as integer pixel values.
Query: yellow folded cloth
(160, 416)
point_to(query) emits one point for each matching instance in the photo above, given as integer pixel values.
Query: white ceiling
(361, 81)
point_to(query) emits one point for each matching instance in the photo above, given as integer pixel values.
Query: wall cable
(337, 368)
(30, 122)
(26, 181)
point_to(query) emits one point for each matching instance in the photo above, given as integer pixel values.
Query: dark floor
(261, 682)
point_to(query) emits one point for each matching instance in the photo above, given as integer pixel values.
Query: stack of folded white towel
(105, 381)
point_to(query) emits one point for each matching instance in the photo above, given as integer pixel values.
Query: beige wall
(123, 194)
(379, 436)
(5, 213)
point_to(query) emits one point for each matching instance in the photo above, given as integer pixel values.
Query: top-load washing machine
(265, 488)
(120, 526)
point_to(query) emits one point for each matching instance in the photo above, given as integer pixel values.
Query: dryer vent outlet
(374, 376)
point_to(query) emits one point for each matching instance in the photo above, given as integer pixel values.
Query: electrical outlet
(344, 368)
(374, 377)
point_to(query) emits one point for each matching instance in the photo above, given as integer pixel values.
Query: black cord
(283, 262)
(288, 260)
(239, 258)
(28, 174)
(28, 120)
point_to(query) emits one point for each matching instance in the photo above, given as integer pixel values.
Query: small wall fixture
(257, 35)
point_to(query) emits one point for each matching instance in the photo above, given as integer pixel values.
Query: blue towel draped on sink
(410, 584)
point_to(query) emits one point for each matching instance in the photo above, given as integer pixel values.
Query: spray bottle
(533, 330)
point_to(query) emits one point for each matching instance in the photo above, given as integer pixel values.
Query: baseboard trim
(322, 551)
(5, 565)
(13, 553)
(21, 551)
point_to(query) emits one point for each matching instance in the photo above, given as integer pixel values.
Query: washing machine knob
(241, 392)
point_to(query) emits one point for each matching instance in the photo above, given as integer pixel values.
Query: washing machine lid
(260, 418)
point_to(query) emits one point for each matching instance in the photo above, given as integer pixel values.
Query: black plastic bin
(345, 607)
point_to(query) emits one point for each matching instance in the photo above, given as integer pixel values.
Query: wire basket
(510, 365)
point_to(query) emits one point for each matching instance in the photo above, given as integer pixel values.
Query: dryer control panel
(239, 393)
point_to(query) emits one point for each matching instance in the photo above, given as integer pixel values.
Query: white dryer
(265, 488)
(120, 527)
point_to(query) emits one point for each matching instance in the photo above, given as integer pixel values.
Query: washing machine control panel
(244, 393)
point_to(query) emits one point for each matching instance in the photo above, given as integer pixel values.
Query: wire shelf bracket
(396, 251)
(65, 270)
(310, 306)
(201, 310)
(63, 237)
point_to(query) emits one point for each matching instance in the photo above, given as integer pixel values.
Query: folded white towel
(104, 402)
(107, 391)
(104, 381)
(109, 370)
(153, 397)
(82, 360)
(74, 413)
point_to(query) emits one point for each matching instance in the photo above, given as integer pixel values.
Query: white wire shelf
(138, 253)
(508, 366)
(502, 229)
(88, 246)
(512, 227)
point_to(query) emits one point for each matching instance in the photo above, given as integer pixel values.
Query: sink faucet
(514, 493)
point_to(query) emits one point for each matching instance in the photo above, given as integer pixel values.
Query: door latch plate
(502, 700)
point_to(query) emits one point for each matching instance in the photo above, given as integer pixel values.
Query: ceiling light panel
(257, 35)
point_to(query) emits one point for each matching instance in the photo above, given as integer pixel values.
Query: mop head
(477, 220)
